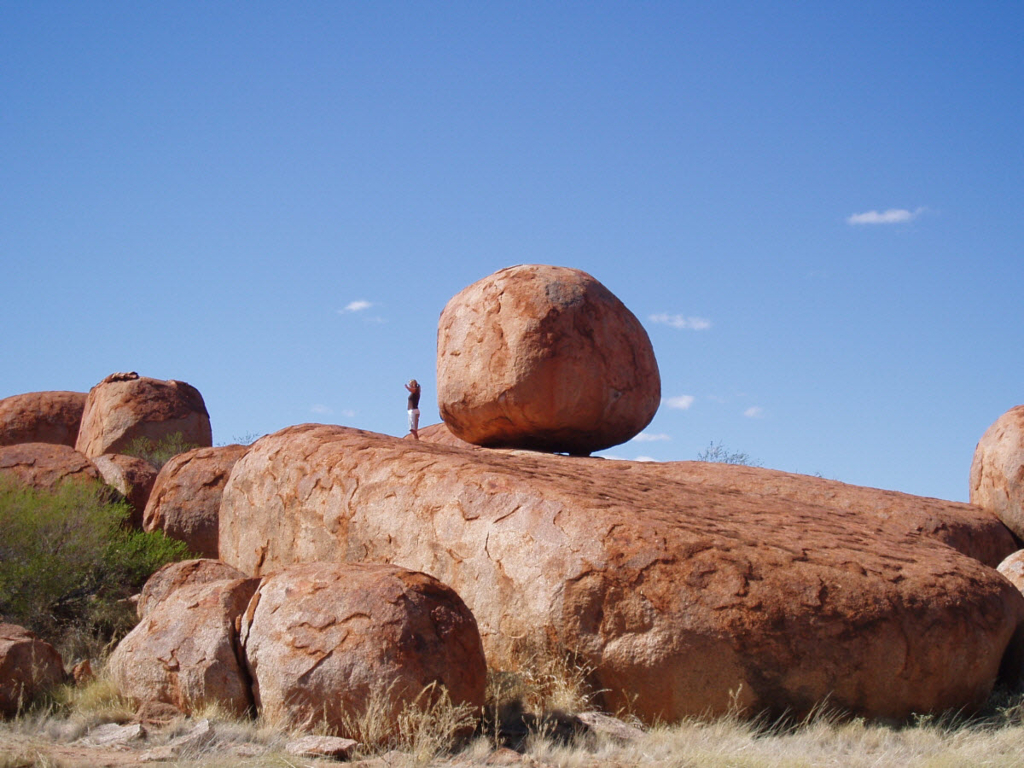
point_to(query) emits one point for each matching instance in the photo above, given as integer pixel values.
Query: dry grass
(531, 712)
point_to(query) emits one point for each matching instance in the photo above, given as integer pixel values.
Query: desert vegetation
(541, 717)
(69, 564)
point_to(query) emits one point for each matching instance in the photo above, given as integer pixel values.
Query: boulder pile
(355, 566)
(683, 598)
(318, 643)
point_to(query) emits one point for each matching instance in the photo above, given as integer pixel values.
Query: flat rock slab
(685, 598)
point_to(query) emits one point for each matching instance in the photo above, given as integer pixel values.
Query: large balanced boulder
(684, 598)
(184, 652)
(185, 501)
(326, 642)
(45, 466)
(125, 407)
(41, 417)
(544, 358)
(28, 667)
(997, 472)
(132, 477)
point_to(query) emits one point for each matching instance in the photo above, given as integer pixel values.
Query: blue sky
(814, 208)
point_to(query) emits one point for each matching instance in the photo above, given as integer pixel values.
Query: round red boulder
(544, 358)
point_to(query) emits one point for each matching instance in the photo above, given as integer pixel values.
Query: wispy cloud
(320, 409)
(754, 412)
(679, 402)
(681, 322)
(651, 437)
(891, 216)
(356, 306)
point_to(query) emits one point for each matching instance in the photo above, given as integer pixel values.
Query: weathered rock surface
(184, 652)
(174, 576)
(41, 417)
(679, 595)
(440, 434)
(28, 667)
(323, 639)
(544, 358)
(1013, 569)
(997, 472)
(125, 406)
(132, 477)
(969, 529)
(46, 465)
(185, 501)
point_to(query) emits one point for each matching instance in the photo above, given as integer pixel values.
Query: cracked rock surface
(686, 591)
(325, 639)
(544, 358)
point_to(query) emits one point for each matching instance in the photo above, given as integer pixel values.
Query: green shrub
(158, 452)
(68, 563)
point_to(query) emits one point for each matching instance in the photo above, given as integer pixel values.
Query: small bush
(158, 452)
(68, 563)
(717, 454)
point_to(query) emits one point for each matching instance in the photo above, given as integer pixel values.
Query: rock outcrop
(184, 652)
(174, 576)
(544, 358)
(967, 528)
(28, 667)
(1013, 569)
(132, 477)
(684, 598)
(323, 641)
(45, 466)
(125, 407)
(185, 501)
(41, 417)
(997, 472)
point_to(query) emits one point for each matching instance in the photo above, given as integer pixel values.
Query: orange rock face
(185, 501)
(997, 472)
(682, 596)
(125, 406)
(41, 417)
(46, 465)
(183, 652)
(544, 358)
(969, 529)
(322, 640)
(1013, 569)
(173, 576)
(28, 667)
(132, 477)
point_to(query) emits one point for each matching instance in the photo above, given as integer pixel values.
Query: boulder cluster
(341, 566)
(309, 645)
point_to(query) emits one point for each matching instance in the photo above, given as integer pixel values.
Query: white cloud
(754, 412)
(681, 322)
(323, 410)
(649, 437)
(357, 306)
(623, 458)
(891, 216)
(680, 402)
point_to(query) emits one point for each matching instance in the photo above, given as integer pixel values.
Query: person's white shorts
(414, 419)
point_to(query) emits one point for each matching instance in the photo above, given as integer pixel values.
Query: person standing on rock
(414, 407)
